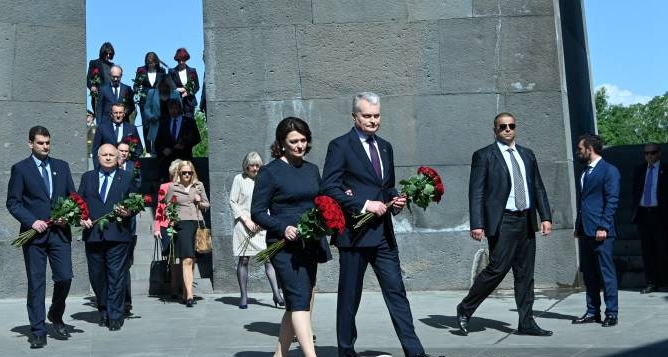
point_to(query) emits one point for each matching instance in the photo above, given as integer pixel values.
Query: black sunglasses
(510, 126)
(186, 172)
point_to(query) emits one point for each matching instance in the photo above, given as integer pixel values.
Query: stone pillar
(42, 81)
(443, 69)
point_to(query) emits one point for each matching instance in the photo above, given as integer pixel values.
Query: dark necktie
(518, 183)
(103, 188)
(117, 127)
(375, 159)
(649, 181)
(116, 92)
(45, 177)
(174, 129)
(585, 176)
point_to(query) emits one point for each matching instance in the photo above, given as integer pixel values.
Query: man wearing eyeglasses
(505, 191)
(650, 199)
(359, 175)
(115, 92)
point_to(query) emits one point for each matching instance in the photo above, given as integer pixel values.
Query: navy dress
(281, 195)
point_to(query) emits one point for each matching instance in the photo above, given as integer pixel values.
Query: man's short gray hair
(370, 97)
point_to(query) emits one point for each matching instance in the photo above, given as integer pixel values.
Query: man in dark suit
(595, 228)
(107, 248)
(115, 131)
(127, 165)
(115, 92)
(34, 185)
(505, 191)
(650, 199)
(359, 175)
(176, 138)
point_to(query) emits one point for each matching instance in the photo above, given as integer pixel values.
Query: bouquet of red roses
(70, 210)
(136, 168)
(132, 142)
(326, 218)
(420, 189)
(95, 81)
(134, 203)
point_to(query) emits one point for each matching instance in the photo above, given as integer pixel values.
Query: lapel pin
(54, 173)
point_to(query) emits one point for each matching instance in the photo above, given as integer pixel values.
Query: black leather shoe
(534, 331)
(103, 321)
(587, 319)
(462, 320)
(115, 325)
(189, 303)
(649, 289)
(58, 326)
(38, 342)
(609, 321)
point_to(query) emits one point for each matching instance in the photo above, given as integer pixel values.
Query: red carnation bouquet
(138, 83)
(325, 219)
(132, 142)
(190, 84)
(136, 168)
(95, 81)
(69, 209)
(420, 189)
(134, 203)
(172, 215)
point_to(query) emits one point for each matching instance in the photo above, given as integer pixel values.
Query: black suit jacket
(107, 99)
(349, 178)
(490, 184)
(105, 135)
(188, 137)
(28, 199)
(121, 186)
(661, 189)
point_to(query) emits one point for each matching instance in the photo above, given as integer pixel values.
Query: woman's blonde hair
(193, 180)
(173, 169)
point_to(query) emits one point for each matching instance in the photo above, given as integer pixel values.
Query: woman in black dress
(284, 189)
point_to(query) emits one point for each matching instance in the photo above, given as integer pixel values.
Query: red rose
(95, 71)
(161, 192)
(141, 70)
(148, 199)
(173, 200)
(137, 164)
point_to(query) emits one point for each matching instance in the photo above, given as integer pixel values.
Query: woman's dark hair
(283, 129)
(182, 54)
(107, 48)
(151, 57)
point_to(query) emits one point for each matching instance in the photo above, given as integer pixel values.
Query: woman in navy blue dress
(284, 190)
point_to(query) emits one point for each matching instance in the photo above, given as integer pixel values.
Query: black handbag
(159, 274)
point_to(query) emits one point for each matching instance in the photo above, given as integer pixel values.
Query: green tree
(201, 149)
(634, 124)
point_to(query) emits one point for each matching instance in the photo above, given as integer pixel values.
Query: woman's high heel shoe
(278, 303)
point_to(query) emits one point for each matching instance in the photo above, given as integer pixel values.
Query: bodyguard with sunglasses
(505, 191)
(650, 200)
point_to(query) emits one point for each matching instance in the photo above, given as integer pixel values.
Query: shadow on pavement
(475, 325)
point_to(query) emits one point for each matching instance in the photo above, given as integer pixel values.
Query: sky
(627, 48)
(628, 52)
(140, 26)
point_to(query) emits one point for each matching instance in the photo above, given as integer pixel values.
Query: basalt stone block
(469, 56)
(44, 13)
(346, 11)
(512, 7)
(421, 10)
(240, 13)
(7, 48)
(257, 63)
(339, 59)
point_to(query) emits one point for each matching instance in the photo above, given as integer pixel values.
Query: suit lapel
(384, 157)
(496, 153)
(37, 174)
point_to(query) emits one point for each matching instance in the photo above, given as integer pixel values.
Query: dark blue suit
(348, 169)
(107, 99)
(107, 249)
(105, 135)
(597, 205)
(28, 201)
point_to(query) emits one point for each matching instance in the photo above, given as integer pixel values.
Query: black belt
(516, 213)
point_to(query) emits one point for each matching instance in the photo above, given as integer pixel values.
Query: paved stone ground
(217, 327)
